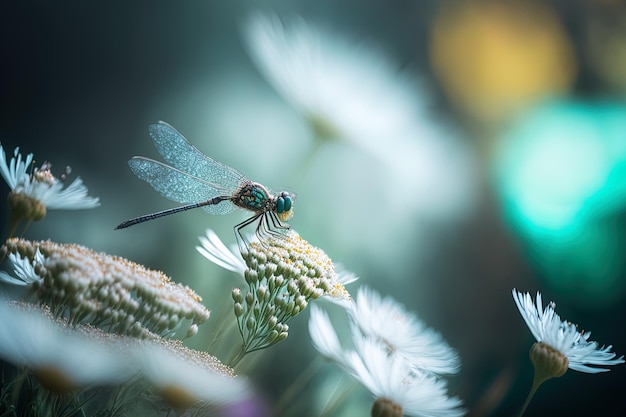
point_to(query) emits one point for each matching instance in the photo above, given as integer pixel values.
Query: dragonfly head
(284, 206)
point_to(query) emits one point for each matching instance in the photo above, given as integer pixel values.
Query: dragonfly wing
(179, 186)
(178, 152)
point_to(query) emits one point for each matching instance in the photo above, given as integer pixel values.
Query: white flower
(323, 335)
(15, 173)
(42, 186)
(402, 332)
(215, 251)
(184, 377)
(388, 377)
(20, 270)
(331, 80)
(386, 374)
(563, 336)
(349, 90)
(60, 360)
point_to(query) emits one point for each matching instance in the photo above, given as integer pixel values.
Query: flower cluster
(395, 356)
(284, 272)
(107, 291)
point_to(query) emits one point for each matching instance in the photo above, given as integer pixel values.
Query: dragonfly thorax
(254, 197)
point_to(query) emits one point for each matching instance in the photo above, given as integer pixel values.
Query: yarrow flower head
(231, 259)
(32, 194)
(107, 291)
(283, 272)
(560, 345)
(398, 386)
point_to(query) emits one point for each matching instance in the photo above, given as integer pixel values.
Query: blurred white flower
(184, 377)
(350, 91)
(389, 378)
(324, 336)
(395, 383)
(563, 336)
(402, 332)
(60, 360)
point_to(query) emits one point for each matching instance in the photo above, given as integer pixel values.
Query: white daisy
(42, 186)
(32, 194)
(402, 332)
(60, 360)
(332, 81)
(393, 382)
(563, 336)
(350, 91)
(184, 377)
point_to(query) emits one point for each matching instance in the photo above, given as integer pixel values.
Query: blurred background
(444, 151)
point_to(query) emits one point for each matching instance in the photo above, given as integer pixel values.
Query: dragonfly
(195, 180)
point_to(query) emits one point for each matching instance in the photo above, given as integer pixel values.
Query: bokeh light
(561, 171)
(494, 57)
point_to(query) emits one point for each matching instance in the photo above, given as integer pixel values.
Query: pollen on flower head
(293, 257)
(284, 273)
(109, 291)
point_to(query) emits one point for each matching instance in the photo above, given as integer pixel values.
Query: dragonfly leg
(277, 223)
(242, 242)
(270, 226)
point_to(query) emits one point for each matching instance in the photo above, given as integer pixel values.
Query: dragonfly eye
(280, 205)
(287, 199)
(283, 203)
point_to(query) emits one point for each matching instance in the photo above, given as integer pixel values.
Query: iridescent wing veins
(184, 156)
(180, 186)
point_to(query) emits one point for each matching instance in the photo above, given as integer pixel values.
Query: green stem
(238, 357)
(538, 379)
